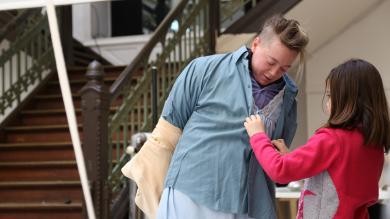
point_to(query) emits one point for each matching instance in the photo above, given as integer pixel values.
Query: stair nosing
(47, 111)
(55, 111)
(8, 184)
(35, 144)
(38, 163)
(105, 67)
(54, 96)
(38, 127)
(39, 205)
(41, 144)
(75, 81)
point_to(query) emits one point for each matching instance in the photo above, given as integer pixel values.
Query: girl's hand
(280, 145)
(253, 125)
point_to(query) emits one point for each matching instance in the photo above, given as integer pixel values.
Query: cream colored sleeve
(149, 166)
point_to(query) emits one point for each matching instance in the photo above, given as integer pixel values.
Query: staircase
(38, 172)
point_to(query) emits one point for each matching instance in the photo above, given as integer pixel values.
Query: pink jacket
(342, 173)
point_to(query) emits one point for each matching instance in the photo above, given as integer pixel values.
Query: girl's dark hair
(358, 100)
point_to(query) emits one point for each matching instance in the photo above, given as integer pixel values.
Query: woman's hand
(254, 125)
(280, 146)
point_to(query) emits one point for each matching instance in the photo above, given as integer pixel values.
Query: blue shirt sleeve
(184, 95)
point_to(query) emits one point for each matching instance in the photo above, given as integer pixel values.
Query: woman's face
(270, 60)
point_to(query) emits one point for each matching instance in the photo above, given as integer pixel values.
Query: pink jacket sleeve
(308, 160)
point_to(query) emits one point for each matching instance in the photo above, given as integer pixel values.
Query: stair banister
(126, 75)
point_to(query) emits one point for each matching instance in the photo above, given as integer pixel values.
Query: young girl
(344, 159)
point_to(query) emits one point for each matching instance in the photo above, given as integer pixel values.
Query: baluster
(145, 110)
(169, 68)
(2, 101)
(139, 106)
(18, 85)
(154, 96)
(173, 61)
(26, 65)
(117, 146)
(125, 134)
(2, 79)
(180, 49)
(39, 47)
(132, 121)
(33, 51)
(10, 82)
(163, 78)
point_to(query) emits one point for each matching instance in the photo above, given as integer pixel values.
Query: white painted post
(69, 107)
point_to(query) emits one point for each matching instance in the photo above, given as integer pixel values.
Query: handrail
(126, 75)
(131, 93)
(15, 23)
(28, 58)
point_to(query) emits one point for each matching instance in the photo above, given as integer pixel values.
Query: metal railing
(232, 10)
(27, 59)
(174, 48)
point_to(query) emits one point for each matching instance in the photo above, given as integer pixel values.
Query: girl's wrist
(257, 132)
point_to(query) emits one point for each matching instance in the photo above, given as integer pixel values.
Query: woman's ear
(255, 43)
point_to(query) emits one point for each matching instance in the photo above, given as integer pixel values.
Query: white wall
(340, 30)
(366, 38)
(92, 27)
(81, 21)
(118, 50)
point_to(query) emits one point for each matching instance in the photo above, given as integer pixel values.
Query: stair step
(45, 151)
(54, 96)
(32, 164)
(18, 211)
(78, 83)
(34, 145)
(41, 191)
(52, 101)
(39, 171)
(108, 80)
(32, 118)
(55, 111)
(46, 111)
(37, 184)
(109, 72)
(38, 127)
(39, 206)
(49, 133)
(35, 151)
(43, 210)
(37, 133)
(77, 70)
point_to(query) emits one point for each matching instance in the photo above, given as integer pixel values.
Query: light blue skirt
(176, 205)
